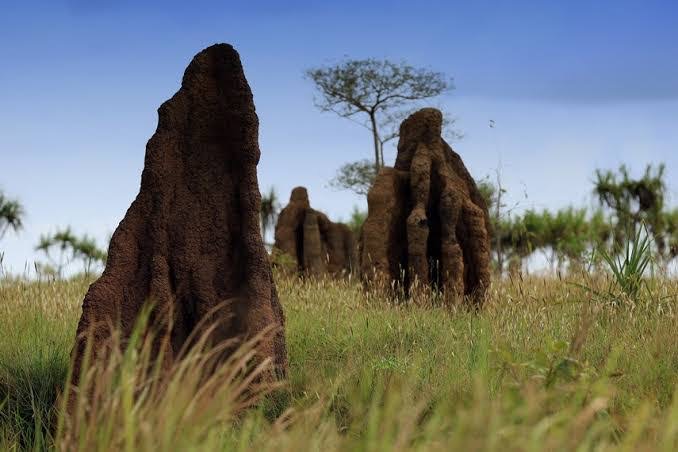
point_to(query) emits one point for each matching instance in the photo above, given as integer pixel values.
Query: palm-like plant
(634, 201)
(62, 240)
(11, 215)
(70, 247)
(629, 268)
(86, 249)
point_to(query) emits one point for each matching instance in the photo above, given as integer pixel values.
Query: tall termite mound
(190, 242)
(426, 219)
(315, 244)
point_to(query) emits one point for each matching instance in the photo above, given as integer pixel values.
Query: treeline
(571, 237)
(63, 247)
(60, 248)
(568, 239)
(379, 94)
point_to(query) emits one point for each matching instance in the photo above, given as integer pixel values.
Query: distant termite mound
(426, 219)
(190, 242)
(314, 244)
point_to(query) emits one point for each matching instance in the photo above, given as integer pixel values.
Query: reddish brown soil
(190, 241)
(426, 220)
(315, 244)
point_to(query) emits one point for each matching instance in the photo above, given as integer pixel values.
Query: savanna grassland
(548, 364)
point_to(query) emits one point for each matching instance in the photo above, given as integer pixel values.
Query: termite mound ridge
(312, 243)
(427, 221)
(190, 242)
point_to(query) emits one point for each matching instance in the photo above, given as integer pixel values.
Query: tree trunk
(375, 136)
(381, 152)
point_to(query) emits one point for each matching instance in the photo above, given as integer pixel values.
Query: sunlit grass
(545, 365)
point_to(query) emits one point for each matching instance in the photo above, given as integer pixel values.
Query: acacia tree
(377, 94)
(11, 215)
(356, 176)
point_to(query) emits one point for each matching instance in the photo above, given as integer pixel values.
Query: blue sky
(571, 86)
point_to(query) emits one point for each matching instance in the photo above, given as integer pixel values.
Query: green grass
(545, 365)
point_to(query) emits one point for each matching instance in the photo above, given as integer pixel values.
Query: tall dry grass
(546, 364)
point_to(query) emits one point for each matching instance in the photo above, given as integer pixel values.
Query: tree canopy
(378, 95)
(69, 247)
(633, 201)
(356, 176)
(11, 215)
(570, 235)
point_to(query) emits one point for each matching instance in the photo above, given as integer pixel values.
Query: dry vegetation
(547, 364)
